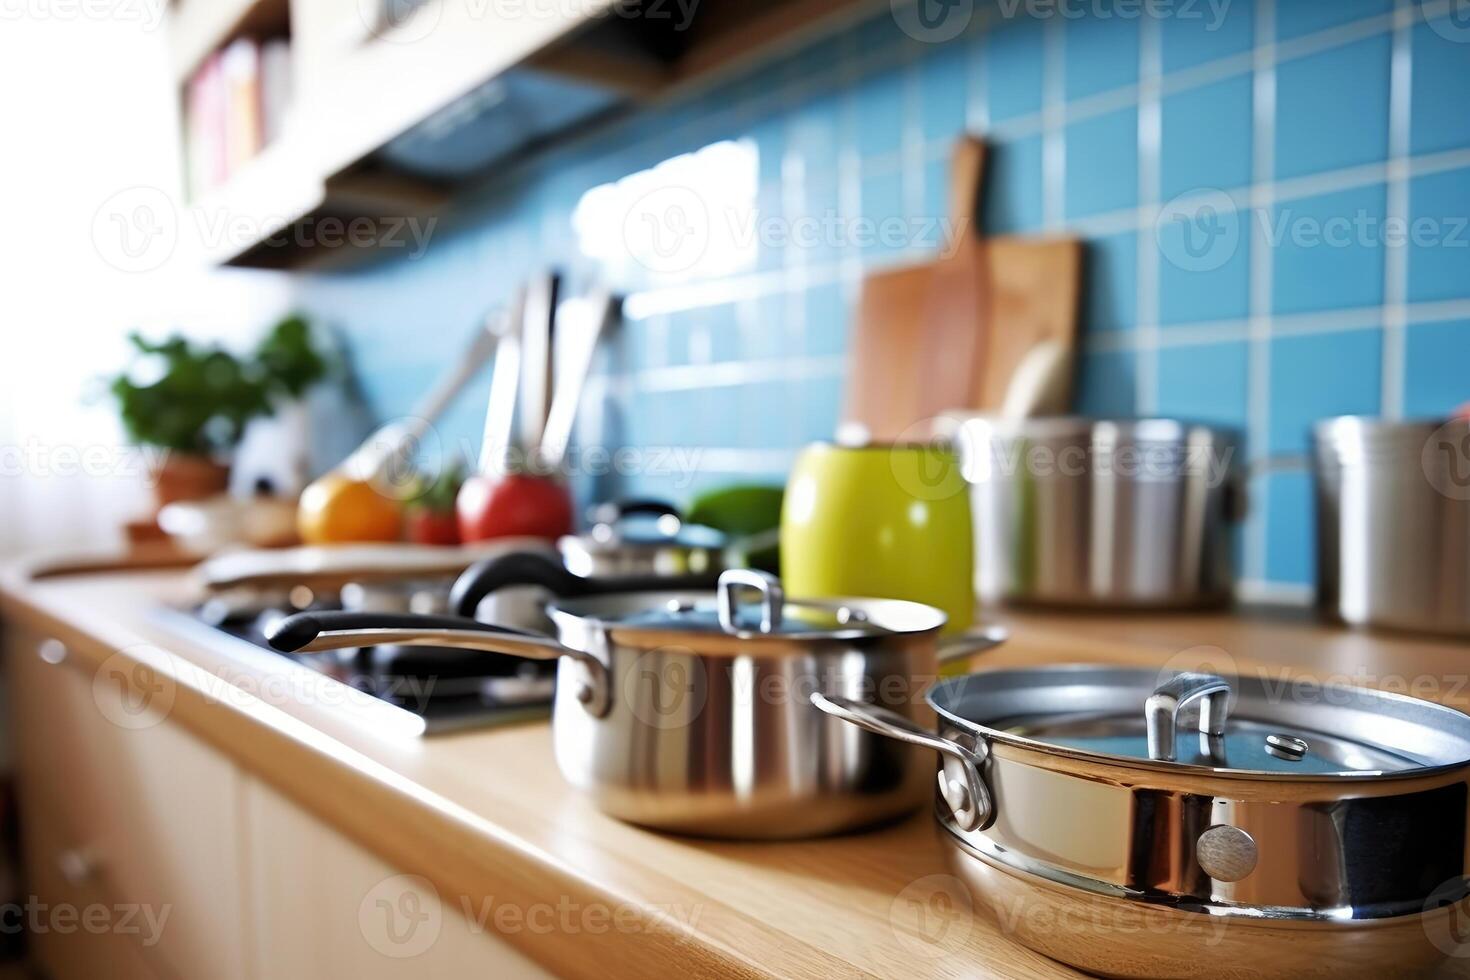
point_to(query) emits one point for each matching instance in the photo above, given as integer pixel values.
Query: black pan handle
(295, 632)
(529, 568)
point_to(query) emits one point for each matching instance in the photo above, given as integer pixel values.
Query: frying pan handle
(967, 795)
(529, 568)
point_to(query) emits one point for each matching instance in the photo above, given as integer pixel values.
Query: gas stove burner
(451, 690)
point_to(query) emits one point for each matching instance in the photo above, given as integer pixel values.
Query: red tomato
(513, 506)
(426, 526)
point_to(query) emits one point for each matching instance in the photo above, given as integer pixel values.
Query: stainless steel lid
(773, 616)
(1249, 726)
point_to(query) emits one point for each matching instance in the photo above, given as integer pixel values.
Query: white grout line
(1396, 256)
(692, 377)
(1054, 118)
(1258, 383)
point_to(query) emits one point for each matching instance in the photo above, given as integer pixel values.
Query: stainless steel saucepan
(1078, 512)
(689, 711)
(1201, 826)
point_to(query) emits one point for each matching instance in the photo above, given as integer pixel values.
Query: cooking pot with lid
(1197, 825)
(690, 710)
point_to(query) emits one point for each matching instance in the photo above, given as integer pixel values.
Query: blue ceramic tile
(1101, 49)
(765, 413)
(944, 90)
(1438, 382)
(1109, 384)
(1205, 383)
(885, 234)
(1204, 272)
(1317, 376)
(1207, 137)
(821, 407)
(1207, 32)
(814, 132)
(1328, 251)
(827, 320)
(1102, 164)
(816, 237)
(1332, 108)
(1441, 69)
(1295, 18)
(877, 105)
(1112, 284)
(1013, 187)
(1291, 533)
(1012, 61)
(1439, 240)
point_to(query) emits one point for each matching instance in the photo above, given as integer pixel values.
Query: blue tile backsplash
(1337, 128)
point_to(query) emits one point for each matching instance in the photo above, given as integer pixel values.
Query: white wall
(88, 113)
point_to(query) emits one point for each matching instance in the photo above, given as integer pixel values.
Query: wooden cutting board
(1035, 290)
(916, 337)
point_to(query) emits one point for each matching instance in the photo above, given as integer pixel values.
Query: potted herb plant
(195, 401)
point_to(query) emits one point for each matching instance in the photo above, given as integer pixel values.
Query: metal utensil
(1287, 829)
(688, 711)
(537, 339)
(581, 322)
(1393, 524)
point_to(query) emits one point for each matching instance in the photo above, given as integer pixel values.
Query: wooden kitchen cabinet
(122, 809)
(325, 907)
(141, 820)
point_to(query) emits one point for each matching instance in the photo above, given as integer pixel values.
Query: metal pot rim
(937, 695)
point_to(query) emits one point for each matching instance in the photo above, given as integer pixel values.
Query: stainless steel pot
(1082, 512)
(643, 538)
(688, 712)
(1393, 524)
(1290, 829)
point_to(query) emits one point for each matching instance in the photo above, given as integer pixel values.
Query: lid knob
(1161, 710)
(769, 588)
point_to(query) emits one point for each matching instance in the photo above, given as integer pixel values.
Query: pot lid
(722, 612)
(1247, 725)
(644, 524)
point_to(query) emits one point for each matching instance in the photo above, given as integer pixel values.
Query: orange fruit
(339, 510)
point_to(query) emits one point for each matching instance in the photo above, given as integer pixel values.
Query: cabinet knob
(52, 651)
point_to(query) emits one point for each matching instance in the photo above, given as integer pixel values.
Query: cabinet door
(325, 907)
(143, 814)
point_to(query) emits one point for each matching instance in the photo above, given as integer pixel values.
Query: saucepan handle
(316, 632)
(975, 641)
(968, 797)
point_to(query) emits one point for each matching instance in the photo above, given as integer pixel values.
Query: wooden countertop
(486, 814)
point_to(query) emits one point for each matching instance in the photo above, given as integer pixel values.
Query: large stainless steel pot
(689, 712)
(1083, 512)
(1393, 523)
(1292, 829)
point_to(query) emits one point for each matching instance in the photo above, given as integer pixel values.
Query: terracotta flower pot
(186, 476)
